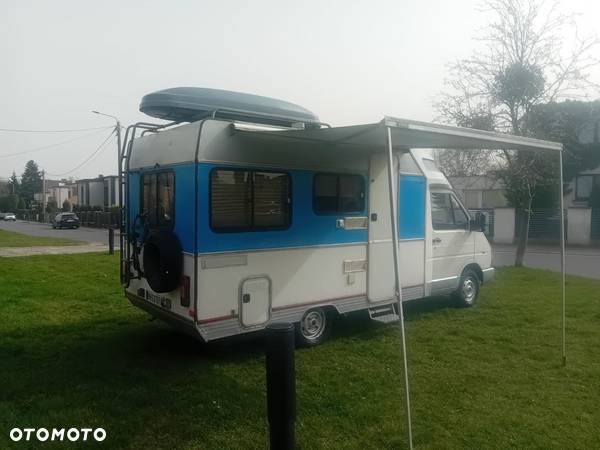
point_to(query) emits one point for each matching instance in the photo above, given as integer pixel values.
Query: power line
(14, 130)
(85, 161)
(33, 150)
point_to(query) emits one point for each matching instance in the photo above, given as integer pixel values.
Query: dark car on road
(65, 220)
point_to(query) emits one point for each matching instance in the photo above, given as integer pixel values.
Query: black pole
(111, 241)
(281, 385)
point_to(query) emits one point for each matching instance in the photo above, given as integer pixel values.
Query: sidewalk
(548, 249)
(9, 252)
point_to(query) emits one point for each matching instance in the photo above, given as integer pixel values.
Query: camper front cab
(231, 224)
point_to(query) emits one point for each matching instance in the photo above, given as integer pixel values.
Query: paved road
(579, 261)
(92, 235)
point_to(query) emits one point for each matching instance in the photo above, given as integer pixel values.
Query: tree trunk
(522, 234)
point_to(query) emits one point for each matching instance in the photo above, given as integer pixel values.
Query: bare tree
(522, 62)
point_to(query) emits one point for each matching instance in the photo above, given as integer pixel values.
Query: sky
(348, 61)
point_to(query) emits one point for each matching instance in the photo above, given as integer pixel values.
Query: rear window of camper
(245, 200)
(338, 193)
(158, 199)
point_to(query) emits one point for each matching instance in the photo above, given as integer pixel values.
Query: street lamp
(118, 130)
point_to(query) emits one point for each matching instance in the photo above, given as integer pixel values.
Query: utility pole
(118, 132)
(44, 195)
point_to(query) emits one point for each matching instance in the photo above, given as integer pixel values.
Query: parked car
(8, 216)
(65, 220)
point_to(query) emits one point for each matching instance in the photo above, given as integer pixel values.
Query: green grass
(74, 353)
(12, 239)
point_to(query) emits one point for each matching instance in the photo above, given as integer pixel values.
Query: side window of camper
(243, 200)
(446, 212)
(338, 193)
(158, 199)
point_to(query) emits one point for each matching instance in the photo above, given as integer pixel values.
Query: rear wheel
(314, 327)
(468, 289)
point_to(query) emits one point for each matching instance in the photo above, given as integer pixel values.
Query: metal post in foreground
(392, 176)
(281, 385)
(562, 260)
(111, 240)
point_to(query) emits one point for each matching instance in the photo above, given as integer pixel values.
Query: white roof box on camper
(189, 104)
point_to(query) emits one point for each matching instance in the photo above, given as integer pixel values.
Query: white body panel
(298, 276)
(381, 272)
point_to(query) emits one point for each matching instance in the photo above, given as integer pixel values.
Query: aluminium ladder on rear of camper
(124, 225)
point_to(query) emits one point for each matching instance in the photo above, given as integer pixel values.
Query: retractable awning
(405, 134)
(394, 134)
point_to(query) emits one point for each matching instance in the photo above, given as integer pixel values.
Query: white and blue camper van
(244, 210)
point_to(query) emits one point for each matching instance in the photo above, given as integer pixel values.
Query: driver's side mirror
(478, 223)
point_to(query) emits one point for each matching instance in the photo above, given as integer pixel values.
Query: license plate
(70, 220)
(158, 300)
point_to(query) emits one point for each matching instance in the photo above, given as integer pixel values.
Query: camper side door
(452, 242)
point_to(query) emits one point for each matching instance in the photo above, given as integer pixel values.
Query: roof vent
(189, 104)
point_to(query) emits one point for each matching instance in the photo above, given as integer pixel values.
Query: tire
(313, 328)
(468, 289)
(54, 227)
(163, 261)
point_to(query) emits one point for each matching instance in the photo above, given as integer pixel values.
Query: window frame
(461, 207)
(252, 228)
(156, 173)
(338, 212)
(595, 179)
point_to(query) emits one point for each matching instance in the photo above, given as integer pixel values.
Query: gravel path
(9, 252)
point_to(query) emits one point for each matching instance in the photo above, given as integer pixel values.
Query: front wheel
(314, 327)
(468, 289)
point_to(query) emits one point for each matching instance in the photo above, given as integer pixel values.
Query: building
(480, 191)
(102, 191)
(55, 190)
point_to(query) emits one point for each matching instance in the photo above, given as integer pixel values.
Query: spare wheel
(163, 261)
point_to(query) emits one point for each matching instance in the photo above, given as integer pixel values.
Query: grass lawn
(74, 353)
(12, 239)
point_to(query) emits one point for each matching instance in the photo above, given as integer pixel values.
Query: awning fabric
(409, 134)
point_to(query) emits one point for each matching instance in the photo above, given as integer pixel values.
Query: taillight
(184, 291)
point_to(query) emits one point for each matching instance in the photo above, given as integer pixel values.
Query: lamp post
(118, 130)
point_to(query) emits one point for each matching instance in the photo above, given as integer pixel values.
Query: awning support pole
(394, 222)
(562, 259)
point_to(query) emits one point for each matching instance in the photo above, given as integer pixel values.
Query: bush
(9, 203)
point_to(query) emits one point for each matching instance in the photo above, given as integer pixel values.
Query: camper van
(244, 210)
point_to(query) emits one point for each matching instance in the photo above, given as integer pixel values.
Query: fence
(595, 231)
(544, 224)
(95, 219)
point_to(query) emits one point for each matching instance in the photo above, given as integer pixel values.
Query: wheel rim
(313, 324)
(469, 289)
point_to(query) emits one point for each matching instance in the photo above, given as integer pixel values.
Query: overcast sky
(348, 61)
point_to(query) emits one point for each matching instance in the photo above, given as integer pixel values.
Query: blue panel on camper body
(306, 229)
(184, 201)
(411, 212)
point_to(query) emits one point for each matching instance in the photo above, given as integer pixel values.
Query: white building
(480, 191)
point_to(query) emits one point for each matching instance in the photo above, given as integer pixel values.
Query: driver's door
(452, 241)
